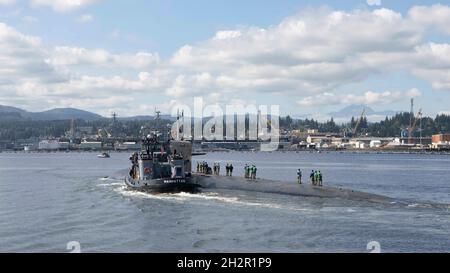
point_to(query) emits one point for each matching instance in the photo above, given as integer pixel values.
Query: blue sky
(133, 56)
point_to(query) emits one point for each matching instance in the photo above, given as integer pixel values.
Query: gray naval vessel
(162, 166)
(165, 166)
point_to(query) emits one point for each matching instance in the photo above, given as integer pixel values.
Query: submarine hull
(163, 185)
(277, 187)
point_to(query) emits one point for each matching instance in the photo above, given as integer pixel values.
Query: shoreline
(204, 152)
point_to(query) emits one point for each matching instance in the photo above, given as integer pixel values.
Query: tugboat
(162, 166)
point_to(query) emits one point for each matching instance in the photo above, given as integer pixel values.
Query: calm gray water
(48, 200)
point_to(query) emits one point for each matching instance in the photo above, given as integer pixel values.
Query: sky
(309, 57)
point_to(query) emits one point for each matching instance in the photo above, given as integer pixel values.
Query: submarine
(260, 185)
(164, 165)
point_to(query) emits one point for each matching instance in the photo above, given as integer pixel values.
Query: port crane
(413, 126)
(358, 123)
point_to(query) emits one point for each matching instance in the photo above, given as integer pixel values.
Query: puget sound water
(50, 200)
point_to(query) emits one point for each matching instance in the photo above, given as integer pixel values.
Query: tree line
(389, 127)
(12, 129)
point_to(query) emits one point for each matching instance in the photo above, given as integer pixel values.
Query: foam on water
(110, 184)
(215, 197)
(420, 205)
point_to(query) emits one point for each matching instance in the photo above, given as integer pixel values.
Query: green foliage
(389, 127)
(19, 128)
(12, 127)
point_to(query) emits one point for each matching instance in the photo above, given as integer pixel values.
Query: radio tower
(411, 117)
(114, 117)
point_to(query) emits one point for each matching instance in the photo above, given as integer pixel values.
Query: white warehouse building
(48, 144)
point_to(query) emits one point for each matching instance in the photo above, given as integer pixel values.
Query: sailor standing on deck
(319, 174)
(311, 177)
(134, 160)
(246, 170)
(299, 176)
(316, 178)
(253, 171)
(227, 168)
(218, 168)
(231, 169)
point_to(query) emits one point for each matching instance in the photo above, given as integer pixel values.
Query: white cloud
(368, 98)
(374, 2)
(143, 81)
(63, 5)
(223, 35)
(7, 2)
(413, 93)
(436, 16)
(85, 18)
(315, 51)
(305, 58)
(432, 62)
(70, 56)
(39, 76)
(22, 59)
(91, 103)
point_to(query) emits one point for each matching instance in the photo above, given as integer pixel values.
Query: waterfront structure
(90, 145)
(375, 144)
(370, 142)
(321, 139)
(440, 138)
(64, 145)
(49, 145)
(441, 141)
(128, 145)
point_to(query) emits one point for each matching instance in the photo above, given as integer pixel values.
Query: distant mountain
(9, 112)
(14, 113)
(356, 110)
(65, 113)
(53, 114)
(10, 109)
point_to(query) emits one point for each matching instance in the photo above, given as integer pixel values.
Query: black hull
(163, 185)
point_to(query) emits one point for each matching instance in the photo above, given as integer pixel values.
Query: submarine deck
(277, 187)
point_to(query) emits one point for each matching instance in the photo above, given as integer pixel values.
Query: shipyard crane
(358, 123)
(412, 128)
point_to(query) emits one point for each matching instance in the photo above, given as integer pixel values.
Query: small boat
(104, 155)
